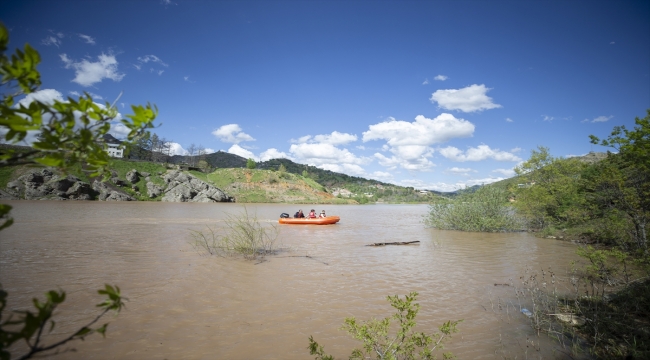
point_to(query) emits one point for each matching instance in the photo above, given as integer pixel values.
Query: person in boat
(312, 214)
(322, 214)
(299, 215)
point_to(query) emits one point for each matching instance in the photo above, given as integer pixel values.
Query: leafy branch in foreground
(30, 326)
(380, 343)
(243, 235)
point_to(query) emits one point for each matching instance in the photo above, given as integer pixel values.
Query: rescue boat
(306, 221)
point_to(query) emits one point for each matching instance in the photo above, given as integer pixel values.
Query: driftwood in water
(395, 243)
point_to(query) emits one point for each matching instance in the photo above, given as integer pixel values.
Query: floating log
(395, 243)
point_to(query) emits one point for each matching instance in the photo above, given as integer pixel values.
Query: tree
(622, 182)
(251, 164)
(191, 151)
(68, 134)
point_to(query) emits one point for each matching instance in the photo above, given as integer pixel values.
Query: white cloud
(602, 119)
(335, 138)
(87, 39)
(515, 150)
(410, 142)
(441, 77)
(447, 187)
(51, 40)
(89, 73)
(176, 149)
(460, 171)
(232, 133)
(505, 172)
(238, 150)
(381, 176)
(425, 82)
(509, 120)
(322, 153)
(119, 130)
(151, 58)
(273, 153)
(482, 152)
(547, 118)
(45, 96)
(469, 99)
(612, 43)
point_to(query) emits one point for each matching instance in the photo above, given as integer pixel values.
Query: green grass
(6, 174)
(122, 167)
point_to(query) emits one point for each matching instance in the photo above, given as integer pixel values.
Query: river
(187, 305)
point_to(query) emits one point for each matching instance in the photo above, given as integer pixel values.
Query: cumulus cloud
(381, 176)
(505, 172)
(273, 153)
(410, 142)
(231, 133)
(45, 96)
(238, 150)
(335, 138)
(176, 149)
(322, 153)
(448, 187)
(509, 120)
(441, 78)
(469, 99)
(482, 152)
(87, 39)
(460, 171)
(89, 73)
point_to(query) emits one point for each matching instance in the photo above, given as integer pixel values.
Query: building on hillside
(114, 147)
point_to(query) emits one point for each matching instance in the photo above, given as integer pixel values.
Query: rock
(133, 176)
(45, 185)
(182, 187)
(106, 193)
(154, 190)
(135, 188)
(147, 179)
(117, 181)
(145, 174)
(4, 195)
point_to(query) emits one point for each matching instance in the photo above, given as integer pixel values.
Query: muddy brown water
(184, 305)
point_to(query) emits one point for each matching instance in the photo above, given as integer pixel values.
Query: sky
(437, 95)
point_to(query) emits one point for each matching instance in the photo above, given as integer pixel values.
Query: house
(113, 146)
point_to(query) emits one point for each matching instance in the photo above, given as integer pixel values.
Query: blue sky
(430, 94)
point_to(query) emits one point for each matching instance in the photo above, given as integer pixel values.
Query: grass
(122, 167)
(6, 175)
(242, 235)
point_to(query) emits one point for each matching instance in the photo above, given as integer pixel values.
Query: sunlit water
(184, 305)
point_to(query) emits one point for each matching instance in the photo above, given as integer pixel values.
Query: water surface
(186, 305)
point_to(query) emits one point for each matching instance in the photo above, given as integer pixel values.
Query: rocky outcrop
(106, 193)
(45, 185)
(182, 187)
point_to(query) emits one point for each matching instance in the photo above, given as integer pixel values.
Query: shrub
(486, 210)
(380, 342)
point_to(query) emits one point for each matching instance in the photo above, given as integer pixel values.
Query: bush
(380, 342)
(486, 210)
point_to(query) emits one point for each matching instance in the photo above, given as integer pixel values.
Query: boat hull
(318, 221)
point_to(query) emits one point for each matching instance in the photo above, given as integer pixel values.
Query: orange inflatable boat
(305, 221)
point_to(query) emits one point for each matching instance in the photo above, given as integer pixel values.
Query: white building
(115, 150)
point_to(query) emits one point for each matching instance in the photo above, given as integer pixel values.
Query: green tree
(550, 190)
(251, 164)
(69, 134)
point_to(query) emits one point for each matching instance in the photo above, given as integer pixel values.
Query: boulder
(106, 193)
(45, 185)
(154, 190)
(133, 176)
(182, 187)
(145, 174)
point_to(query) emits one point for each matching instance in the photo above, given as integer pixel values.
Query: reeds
(242, 235)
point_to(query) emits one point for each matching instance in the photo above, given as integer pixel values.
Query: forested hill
(326, 178)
